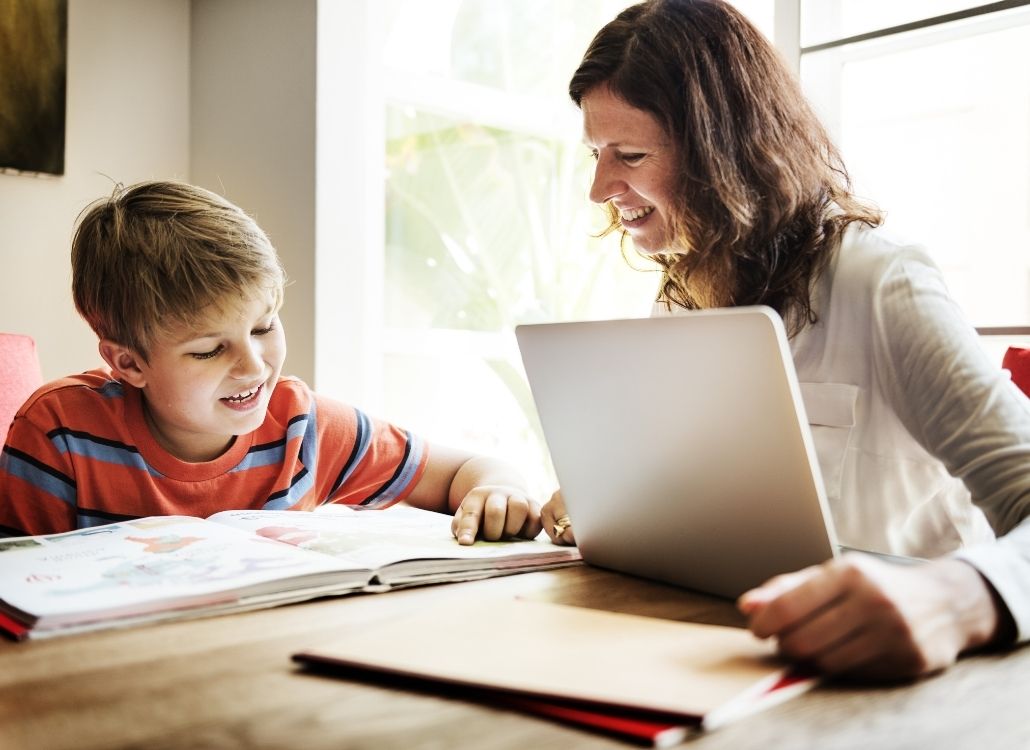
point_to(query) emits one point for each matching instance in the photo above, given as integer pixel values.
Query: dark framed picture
(33, 74)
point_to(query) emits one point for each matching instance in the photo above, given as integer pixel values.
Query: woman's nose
(607, 184)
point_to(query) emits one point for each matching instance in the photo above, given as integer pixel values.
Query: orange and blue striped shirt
(80, 454)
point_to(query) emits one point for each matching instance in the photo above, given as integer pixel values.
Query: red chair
(1017, 362)
(19, 376)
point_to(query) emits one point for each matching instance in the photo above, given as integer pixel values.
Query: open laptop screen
(681, 445)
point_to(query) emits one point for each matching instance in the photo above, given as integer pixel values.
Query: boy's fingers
(494, 512)
(532, 525)
(515, 518)
(466, 519)
(523, 518)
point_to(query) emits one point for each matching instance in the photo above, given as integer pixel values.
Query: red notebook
(650, 730)
(643, 679)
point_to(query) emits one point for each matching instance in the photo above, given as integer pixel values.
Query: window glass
(524, 47)
(933, 127)
(488, 224)
(759, 12)
(828, 20)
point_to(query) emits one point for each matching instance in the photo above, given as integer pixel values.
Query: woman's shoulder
(869, 255)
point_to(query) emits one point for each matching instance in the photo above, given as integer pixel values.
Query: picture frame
(33, 82)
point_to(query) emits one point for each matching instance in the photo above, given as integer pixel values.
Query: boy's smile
(244, 401)
(205, 384)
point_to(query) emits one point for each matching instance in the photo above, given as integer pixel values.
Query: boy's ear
(124, 362)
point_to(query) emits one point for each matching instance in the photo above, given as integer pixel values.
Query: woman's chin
(653, 249)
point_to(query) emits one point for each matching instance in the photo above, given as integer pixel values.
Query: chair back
(1017, 362)
(20, 375)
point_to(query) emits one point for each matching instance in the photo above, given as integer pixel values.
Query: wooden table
(228, 682)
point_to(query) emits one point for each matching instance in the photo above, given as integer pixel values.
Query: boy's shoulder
(291, 400)
(291, 394)
(293, 397)
(294, 400)
(92, 384)
(89, 401)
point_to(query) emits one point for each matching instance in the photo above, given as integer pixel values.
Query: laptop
(681, 446)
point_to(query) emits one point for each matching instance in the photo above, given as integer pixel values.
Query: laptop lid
(681, 446)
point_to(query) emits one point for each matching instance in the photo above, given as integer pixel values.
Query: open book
(644, 679)
(171, 567)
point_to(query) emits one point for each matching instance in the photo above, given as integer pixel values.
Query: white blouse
(923, 441)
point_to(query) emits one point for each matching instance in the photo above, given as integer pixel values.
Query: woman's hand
(860, 616)
(556, 520)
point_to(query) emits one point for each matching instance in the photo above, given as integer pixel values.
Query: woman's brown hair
(765, 195)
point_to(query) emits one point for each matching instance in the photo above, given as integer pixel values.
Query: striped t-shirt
(79, 454)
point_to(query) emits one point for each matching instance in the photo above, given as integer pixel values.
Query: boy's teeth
(637, 213)
(241, 396)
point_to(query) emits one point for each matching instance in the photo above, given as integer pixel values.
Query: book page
(377, 538)
(138, 566)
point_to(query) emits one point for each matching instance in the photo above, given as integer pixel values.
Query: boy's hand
(556, 520)
(495, 512)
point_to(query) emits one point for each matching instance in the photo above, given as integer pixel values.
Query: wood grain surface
(228, 682)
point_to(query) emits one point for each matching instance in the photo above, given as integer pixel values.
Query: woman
(711, 161)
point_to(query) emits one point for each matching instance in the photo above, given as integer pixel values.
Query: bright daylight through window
(488, 223)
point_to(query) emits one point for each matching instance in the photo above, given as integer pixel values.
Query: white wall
(127, 120)
(252, 135)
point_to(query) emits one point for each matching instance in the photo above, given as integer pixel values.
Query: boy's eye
(262, 331)
(208, 355)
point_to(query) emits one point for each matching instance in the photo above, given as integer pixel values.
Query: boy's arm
(484, 494)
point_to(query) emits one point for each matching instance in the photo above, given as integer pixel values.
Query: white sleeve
(962, 408)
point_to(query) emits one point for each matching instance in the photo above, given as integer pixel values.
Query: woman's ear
(124, 362)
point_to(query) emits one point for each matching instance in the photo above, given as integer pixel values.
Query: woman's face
(636, 167)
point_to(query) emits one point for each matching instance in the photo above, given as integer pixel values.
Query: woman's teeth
(636, 213)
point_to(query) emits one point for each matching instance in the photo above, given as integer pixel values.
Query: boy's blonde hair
(154, 255)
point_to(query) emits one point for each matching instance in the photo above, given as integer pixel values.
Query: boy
(183, 290)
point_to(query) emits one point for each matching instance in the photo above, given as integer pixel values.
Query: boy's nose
(249, 364)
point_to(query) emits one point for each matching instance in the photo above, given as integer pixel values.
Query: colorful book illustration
(643, 679)
(172, 567)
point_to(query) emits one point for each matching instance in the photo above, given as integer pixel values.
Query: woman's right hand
(556, 520)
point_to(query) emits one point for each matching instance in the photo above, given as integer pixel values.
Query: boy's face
(211, 381)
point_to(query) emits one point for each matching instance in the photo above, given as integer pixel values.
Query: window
(933, 119)
(458, 108)
(487, 219)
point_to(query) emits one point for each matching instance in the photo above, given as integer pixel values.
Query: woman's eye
(208, 355)
(632, 158)
(593, 154)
